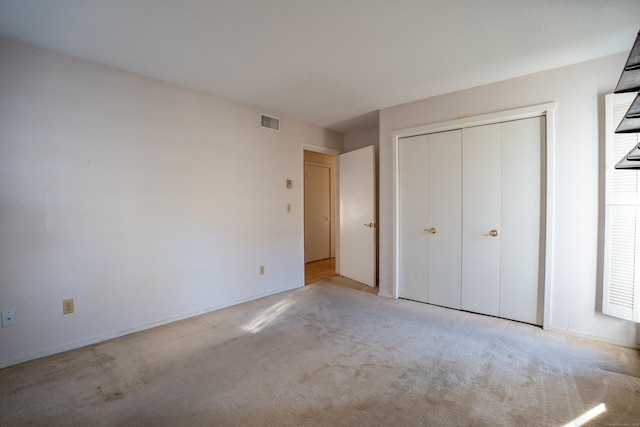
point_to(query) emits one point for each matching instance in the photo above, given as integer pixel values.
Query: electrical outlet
(67, 306)
(8, 318)
(262, 270)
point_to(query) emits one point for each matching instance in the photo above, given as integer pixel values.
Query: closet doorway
(502, 200)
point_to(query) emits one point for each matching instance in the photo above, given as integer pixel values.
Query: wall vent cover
(269, 122)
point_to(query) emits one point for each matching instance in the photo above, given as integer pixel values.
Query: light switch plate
(8, 318)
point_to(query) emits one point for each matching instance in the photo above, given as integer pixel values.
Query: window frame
(621, 264)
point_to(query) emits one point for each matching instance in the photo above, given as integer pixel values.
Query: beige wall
(578, 90)
(144, 202)
(362, 138)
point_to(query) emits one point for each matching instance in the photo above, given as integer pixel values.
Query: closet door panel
(445, 215)
(413, 159)
(481, 181)
(521, 198)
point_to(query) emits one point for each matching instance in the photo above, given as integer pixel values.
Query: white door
(317, 213)
(429, 218)
(445, 218)
(520, 286)
(501, 219)
(469, 219)
(357, 215)
(481, 201)
(413, 195)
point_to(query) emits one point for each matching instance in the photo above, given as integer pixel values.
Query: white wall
(143, 201)
(579, 137)
(362, 138)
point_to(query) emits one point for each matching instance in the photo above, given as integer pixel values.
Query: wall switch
(8, 318)
(289, 183)
(67, 306)
(262, 270)
(288, 207)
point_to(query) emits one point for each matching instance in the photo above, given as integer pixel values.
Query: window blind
(621, 281)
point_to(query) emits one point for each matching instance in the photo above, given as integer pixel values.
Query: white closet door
(445, 217)
(481, 181)
(520, 234)
(469, 219)
(413, 253)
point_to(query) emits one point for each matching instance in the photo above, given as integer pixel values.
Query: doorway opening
(316, 271)
(319, 216)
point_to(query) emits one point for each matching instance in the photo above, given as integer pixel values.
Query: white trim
(617, 205)
(318, 149)
(394, 215)
(550, 214)
(548, 110)
(101, 338)
(627, 344)
(483, 119)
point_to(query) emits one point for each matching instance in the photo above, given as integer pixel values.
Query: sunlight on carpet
(587, 416)
(267, 316)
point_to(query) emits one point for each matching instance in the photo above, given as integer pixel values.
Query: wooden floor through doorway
(318, 270)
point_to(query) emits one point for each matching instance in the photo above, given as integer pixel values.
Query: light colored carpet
(326, 354)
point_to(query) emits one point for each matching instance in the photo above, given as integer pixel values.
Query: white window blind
(621, 282)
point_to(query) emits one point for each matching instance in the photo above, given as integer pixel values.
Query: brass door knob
(492, 233)
(431, 230)
(370, 225)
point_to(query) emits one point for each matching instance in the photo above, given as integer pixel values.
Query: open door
(358, 215)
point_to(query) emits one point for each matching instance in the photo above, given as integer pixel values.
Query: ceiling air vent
(269, 123)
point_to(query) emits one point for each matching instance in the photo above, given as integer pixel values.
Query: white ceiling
(327, 62)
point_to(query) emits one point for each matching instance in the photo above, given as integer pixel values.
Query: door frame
(547, 171)
(305, 146)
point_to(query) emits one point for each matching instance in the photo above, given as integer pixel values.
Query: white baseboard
(101, 338)
(594, 337)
